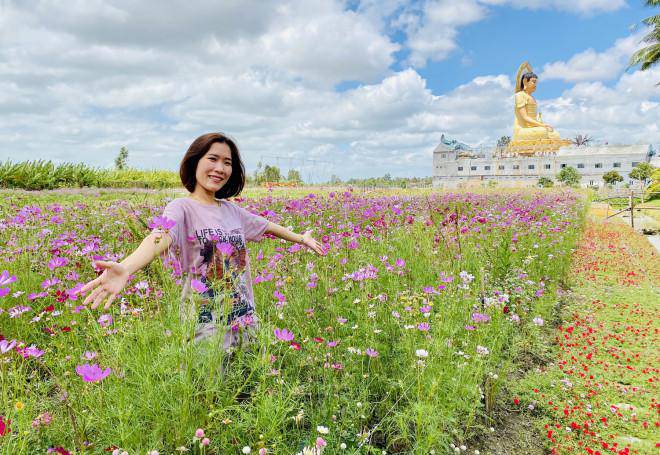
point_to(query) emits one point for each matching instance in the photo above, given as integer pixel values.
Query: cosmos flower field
(399, 339)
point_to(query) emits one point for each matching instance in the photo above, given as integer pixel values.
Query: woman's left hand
(311, 243)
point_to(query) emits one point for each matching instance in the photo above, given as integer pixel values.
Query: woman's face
(214, 168)
(530, 85)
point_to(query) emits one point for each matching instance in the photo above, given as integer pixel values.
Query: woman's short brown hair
(198, 149)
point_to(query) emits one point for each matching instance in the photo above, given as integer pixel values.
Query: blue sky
(498, 44)
(366, 87)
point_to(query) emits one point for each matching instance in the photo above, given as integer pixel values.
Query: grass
(596, 392)
(427, 284)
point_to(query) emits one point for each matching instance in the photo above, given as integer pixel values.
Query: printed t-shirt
(209, 242)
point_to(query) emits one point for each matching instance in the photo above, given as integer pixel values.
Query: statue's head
(528, 76)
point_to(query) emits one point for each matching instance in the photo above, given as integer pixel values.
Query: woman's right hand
(108, 285)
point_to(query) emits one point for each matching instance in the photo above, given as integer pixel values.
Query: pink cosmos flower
(4, 426)
(92, 373)
(480, 317)
(225, 248)
(57, 262)
(6, 346)
(6, 279)
(320, 442)
(31, 351)
(198, 286)
(4, 292)
(105, 320)
(423, 326)
(37, 295)
(283, 335)
(88, 355)
(49, 282)
(16, 311)
(371, 352)
(161, 222)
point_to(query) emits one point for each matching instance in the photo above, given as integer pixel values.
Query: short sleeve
(521, 99)
(173, 212)
(253, 225)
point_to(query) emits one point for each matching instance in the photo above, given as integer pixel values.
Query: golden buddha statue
(530, 134)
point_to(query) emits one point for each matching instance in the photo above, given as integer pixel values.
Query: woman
(207, 235)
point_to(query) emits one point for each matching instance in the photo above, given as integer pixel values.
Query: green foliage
(268, 174)
(293, 176)
(45, 175)
(612, 177)
(642, 172)
(569, 176)
(387, 181)
(654, 187)
(122, 159)
(503, 141)
(163, 387)
(546, 182)
(648, 56)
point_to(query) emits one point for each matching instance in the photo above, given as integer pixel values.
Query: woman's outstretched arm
(115, 274)
(290, 236)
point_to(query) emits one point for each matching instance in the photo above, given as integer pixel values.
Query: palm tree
(649, 55)
(582, 140)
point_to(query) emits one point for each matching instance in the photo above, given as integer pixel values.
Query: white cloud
(574, 6)
(432, 27)
(69, 93)
(434, 35)
(590, 65)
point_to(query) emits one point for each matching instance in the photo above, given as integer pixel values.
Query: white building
(455, 164)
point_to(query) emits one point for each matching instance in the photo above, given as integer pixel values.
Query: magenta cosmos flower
(105, 320)
(284, 335)
(92, 373)
(198, 286)
(161, 222)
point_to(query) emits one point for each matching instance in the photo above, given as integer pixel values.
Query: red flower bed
(599, 396)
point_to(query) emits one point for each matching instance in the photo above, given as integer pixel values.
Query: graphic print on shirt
(224, 260)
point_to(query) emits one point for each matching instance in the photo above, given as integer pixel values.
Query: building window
(563, 165)
(500, 167)
(460, 168)
(616, 165)
(634, 163)
(598, 165)
(473, 168)
(547, 166)
(591, 183)
(486, 168)
(515, 167)
(530, 166)
(444, 155)
(580, 166)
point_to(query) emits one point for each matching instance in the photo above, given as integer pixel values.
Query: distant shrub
(45, 175)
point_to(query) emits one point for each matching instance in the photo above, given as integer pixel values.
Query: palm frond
(646, 57)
